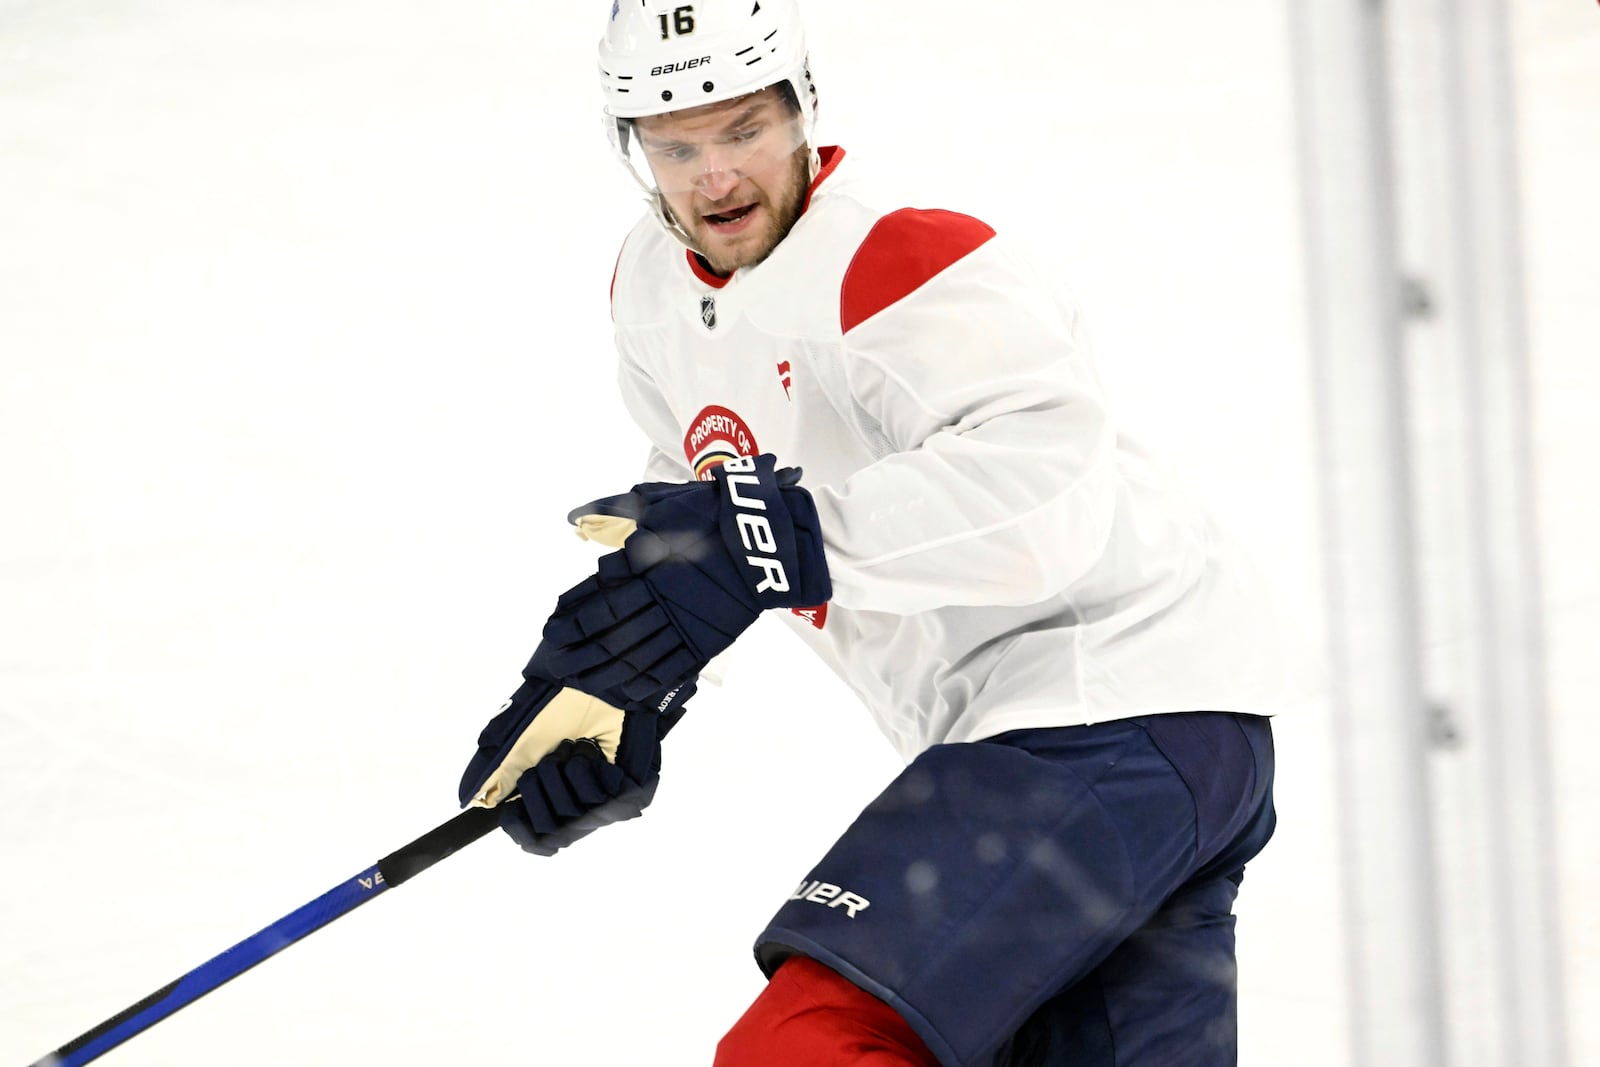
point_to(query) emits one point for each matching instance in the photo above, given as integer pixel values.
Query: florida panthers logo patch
(715, 436)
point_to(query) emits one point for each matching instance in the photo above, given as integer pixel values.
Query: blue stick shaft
(390, 871)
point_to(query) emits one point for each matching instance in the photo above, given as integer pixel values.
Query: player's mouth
(731, 222)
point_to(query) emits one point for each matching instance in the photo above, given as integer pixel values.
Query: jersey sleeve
(660, 467)
(649, 411)
(999, 483)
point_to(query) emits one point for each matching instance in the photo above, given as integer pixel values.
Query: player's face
(733, 174)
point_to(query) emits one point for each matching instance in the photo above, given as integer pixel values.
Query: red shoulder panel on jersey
(904, 250)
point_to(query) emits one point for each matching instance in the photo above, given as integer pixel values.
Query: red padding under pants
(809, 1016)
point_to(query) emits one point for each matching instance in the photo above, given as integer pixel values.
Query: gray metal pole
(1355, 294)
(1479, 247)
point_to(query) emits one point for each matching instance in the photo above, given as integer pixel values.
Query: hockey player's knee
(810, 1016)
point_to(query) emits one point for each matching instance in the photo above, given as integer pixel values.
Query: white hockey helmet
(659, 56)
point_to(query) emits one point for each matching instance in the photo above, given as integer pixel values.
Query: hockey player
(1055, 637)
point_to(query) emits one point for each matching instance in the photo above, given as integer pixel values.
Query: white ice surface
(304, 354)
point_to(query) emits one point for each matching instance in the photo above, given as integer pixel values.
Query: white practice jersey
(1001, 557)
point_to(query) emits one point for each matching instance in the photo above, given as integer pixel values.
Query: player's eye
(676, 153)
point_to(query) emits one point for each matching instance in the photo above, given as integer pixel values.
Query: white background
(304, 354)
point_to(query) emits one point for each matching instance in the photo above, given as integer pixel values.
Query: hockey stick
(388, 872)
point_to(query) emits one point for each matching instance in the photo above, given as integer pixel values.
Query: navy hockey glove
(560, 764)
(705, 560)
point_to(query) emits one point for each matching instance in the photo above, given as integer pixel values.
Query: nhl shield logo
(708, 311)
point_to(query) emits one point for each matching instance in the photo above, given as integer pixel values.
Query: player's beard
(777, 218)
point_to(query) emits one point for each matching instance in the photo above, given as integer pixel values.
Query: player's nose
(716, 184)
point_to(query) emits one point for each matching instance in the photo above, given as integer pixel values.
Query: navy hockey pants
(1055, 896)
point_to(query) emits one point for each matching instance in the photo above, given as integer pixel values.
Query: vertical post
(1419, 343)
(1354, 286)
(1507, 998)
(1510, 575)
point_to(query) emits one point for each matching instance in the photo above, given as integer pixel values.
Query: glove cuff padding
(769, 524)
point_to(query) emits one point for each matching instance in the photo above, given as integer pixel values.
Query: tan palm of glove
(571, 715)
